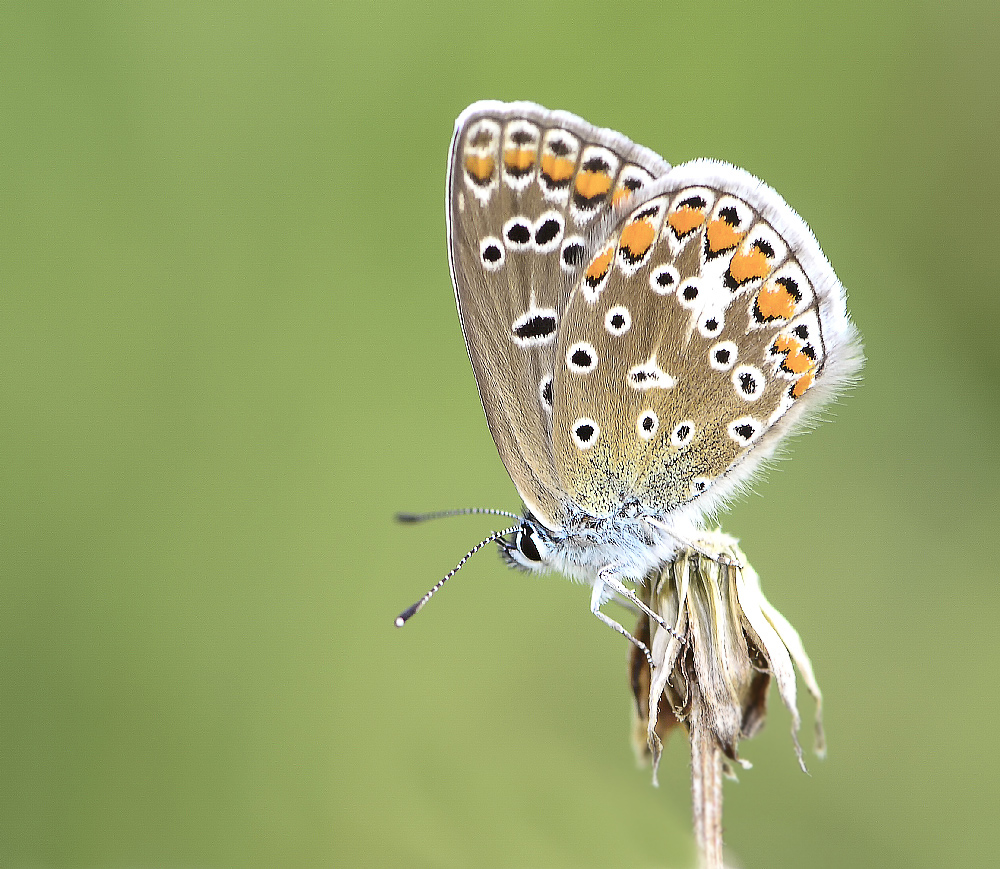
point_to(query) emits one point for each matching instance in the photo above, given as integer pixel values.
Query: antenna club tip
(408, 613)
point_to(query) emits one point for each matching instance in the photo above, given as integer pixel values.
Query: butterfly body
(643, 336)
(629, 542)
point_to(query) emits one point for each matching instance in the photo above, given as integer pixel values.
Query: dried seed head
(735, 642)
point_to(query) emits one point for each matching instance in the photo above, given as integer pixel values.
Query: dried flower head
(734, 643)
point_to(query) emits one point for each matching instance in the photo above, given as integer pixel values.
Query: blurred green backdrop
(229, 351)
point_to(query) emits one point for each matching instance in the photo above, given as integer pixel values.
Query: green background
(229, 352)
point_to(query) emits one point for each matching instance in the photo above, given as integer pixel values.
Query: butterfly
(643, 337)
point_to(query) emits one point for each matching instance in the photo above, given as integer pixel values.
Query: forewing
(529, 190)
(699, 333)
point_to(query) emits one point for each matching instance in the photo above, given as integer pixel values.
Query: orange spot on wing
(480, 168)
(685, 219)
(556, 168)
(599, 265)
(721, 236)
(775, 302)
(519, 159)
(802, 384)
(627, 185)
(591, 184)
(637, 237)
(796, 361)
(748, 266)
(785, 342)
(620, 195)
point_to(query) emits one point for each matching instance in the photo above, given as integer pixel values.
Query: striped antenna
(444, 514)
(407, 614)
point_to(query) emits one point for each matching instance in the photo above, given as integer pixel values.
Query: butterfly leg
(721, 558)
(607, 577)
(596, 599)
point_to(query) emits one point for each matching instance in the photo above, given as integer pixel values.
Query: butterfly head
(633, 539)
(529, 548)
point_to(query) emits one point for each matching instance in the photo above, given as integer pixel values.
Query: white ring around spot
(754, 376)
(644, 433)
(659, 274)
(487, 242)
(742, 438)
(723, 347)
(580, 423)
(614, 313)
(585, 347)
(683, 433)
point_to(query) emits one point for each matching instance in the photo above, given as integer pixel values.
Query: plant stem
(706, 785)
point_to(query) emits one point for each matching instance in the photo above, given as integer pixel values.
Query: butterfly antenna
(444, 514)
(408, 614)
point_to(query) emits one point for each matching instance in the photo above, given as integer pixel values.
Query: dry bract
(735, 642)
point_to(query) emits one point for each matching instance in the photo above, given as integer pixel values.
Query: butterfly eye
(527, 546)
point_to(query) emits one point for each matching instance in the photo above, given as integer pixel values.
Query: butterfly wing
(703, 327)
(530, 194)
